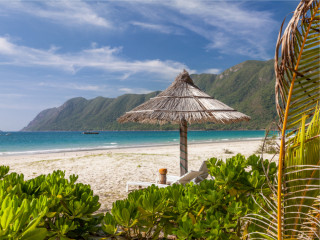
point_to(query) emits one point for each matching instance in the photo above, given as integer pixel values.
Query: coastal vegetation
(269, 145)
(239, 86)
(210, 210)
(46, 207)
(54, 207)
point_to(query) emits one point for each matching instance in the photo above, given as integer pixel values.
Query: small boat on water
(90, 132)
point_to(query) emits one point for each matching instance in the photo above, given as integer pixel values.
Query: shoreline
(107, 171)
(101, 148)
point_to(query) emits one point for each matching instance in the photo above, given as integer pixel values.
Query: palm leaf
(300, 200)
(293, 213)
(298, 92)
(301, 182)
(297, 68)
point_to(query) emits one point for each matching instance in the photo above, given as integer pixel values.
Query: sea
(16, 143)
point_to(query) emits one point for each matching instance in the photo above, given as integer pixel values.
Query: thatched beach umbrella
(181, 103)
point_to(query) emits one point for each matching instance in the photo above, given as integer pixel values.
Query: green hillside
(247, 87)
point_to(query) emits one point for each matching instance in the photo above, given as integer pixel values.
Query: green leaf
(37, 233)
(126, 216)
(33, 224)
(51, 214)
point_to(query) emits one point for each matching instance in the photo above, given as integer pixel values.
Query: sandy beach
(107, 171)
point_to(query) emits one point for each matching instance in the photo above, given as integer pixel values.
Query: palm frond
(297, 67)
(297, 91)
(300, 201)
(301, 178)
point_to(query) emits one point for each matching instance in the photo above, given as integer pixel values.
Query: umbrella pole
(183, 147)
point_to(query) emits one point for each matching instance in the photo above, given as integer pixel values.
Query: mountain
(247, 87)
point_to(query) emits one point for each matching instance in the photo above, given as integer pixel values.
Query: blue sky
(51, 51)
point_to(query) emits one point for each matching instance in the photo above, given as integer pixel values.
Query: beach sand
(107, 171)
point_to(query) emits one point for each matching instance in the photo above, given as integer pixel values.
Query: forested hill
(247, 87)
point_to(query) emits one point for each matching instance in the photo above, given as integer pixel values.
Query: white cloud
(105, 89)
(103, 58)
(74, 86)
(6, 47)
(231, 27)
(64, 12)
(157, 27)
(212, 70)
(135, 90)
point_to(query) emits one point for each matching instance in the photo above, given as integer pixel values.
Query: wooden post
(183, 147)
(163, 176)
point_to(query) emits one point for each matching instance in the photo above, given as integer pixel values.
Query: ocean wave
(31, 152)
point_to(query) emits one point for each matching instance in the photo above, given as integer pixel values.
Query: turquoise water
(37, 142)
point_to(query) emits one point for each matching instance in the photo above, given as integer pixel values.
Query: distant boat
(90, 132)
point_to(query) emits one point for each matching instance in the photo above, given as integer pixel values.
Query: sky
(51, 51)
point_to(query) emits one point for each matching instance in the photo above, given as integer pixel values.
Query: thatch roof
(183, 100)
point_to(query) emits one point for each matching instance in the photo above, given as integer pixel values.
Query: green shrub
(3, 171)
(46, 207)
(54, 207)
(209, 210)
(19, 219)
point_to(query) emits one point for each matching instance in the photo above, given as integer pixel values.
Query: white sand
(107, 171)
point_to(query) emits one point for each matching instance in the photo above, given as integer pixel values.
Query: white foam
(55, 150)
